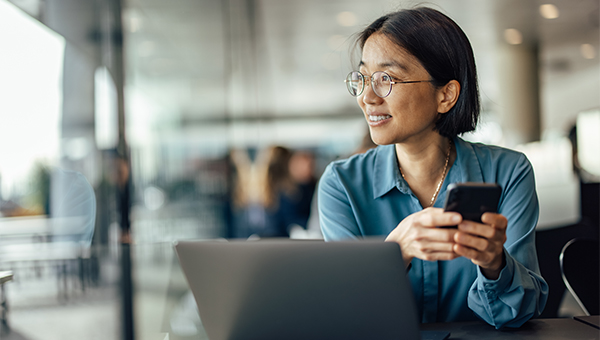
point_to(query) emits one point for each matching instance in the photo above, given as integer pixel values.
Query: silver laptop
(300, 289)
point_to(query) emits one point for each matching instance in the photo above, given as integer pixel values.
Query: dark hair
(444, 51)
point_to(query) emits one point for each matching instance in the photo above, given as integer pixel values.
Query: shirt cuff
(504, 279)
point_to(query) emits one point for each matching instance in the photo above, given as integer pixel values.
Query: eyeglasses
(382, 83)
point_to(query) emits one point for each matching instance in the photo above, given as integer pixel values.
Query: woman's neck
(423, 165)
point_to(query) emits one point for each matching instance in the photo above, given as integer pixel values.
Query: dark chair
(580, 269)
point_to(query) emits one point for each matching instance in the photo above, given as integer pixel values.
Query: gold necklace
(439, 186)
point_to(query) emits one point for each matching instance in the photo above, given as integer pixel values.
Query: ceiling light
(346, 19)
(549, 11)
(513, 36)
(588, 51)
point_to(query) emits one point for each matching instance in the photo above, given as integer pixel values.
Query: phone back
(471, 200)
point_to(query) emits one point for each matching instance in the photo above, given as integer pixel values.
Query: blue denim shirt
(365, 195)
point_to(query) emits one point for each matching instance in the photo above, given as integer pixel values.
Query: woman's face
(410, 111)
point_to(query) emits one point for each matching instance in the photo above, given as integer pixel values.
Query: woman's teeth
(377, 118)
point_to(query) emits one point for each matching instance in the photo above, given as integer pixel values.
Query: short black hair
(445, 52)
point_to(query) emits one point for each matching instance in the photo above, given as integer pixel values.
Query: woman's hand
(419, 235)
(483, 243)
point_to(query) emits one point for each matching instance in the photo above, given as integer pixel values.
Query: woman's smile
(378, 119)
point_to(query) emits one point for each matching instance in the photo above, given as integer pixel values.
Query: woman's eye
(386, 78)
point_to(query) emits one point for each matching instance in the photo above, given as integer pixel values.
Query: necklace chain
(439, 186)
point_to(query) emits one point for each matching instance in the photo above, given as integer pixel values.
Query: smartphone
(471, 200)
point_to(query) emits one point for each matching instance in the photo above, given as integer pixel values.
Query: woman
(286, 190)
(417, 87)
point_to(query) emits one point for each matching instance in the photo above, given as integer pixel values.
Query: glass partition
(57, 211)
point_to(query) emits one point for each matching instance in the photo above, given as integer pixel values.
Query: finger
(487, 261)
(472, 254)
(474, 242)
(478, 229)
(432, 247)
(438, 256)
(436, 217)
(496, 220)
(434, 234)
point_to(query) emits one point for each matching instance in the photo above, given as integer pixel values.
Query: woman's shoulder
(495, 153)
(494, 163)
(360, 167)
(359, 160)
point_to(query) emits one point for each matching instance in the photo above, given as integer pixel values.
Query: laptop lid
(300, 289)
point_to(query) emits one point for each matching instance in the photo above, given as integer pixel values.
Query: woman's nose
(369, 96)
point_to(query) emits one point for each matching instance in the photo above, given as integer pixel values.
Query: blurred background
(129, 124)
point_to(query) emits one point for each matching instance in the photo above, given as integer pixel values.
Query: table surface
(5, 276)
(546, 329)
(593, 320)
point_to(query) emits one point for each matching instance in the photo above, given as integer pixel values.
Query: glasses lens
(355, 83)
(382, 84)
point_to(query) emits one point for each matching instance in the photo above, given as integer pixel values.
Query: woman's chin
(382, 141)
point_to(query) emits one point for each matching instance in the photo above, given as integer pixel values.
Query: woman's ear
(448, 95)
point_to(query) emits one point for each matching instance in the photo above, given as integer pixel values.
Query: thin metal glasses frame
(363, 83)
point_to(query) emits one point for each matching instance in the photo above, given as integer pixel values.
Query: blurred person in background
(274, 195)
(302, 172)
(417, 86)
(246, 214)
(288, 185)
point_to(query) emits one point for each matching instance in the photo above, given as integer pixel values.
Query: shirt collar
(467, 163)
(386, 175)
